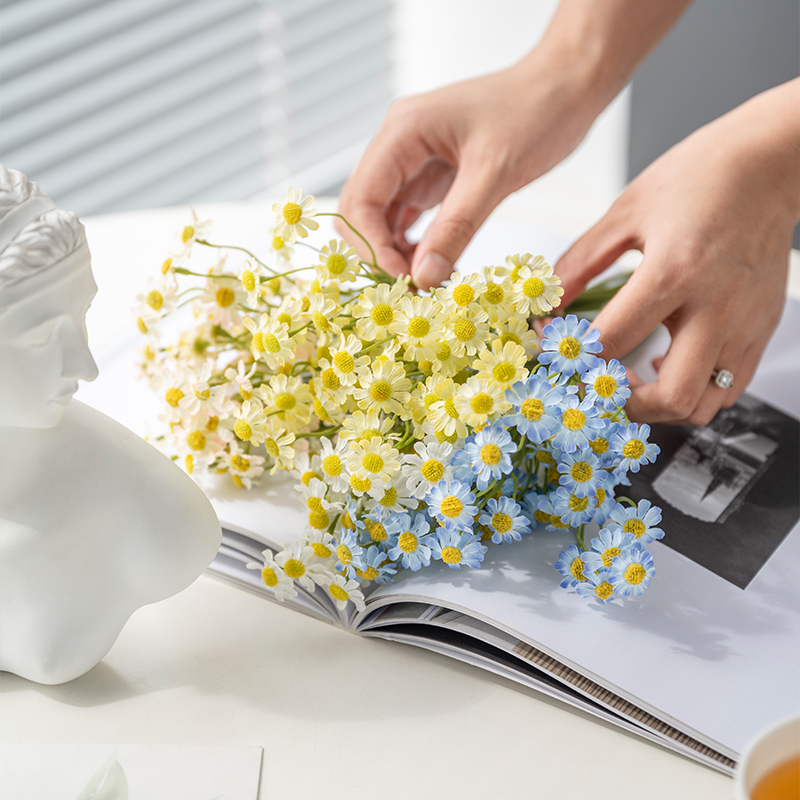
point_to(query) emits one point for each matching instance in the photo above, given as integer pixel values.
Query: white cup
(767, 750)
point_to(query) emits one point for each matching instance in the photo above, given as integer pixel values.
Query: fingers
(470, 200)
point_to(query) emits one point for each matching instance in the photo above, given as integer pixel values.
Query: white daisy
(430, 465)
(344, 591)
(536, 288)
(375, 310)
(418, 324)
(333, 464)
(384, 386)
(274, 577)
(294, 216)
(270, 342)
(478, 400)
(338, 262)
(372, 459)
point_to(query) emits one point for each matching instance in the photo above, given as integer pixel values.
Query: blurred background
(113, 105)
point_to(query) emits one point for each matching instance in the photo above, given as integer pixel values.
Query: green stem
(579, 536)
(235, 247)
(357, 233)
(321, 432)
(374, 345)
(622, 499)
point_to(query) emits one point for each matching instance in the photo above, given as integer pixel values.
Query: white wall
(441, 41)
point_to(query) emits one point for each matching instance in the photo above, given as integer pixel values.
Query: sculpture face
(45, 351)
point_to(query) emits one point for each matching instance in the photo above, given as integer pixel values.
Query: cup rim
(741, 788)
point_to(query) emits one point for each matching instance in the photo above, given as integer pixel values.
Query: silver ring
(723, 378)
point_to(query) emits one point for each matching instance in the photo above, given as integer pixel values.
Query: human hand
(714, 218)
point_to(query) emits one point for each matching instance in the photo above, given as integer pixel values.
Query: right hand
(466, 146)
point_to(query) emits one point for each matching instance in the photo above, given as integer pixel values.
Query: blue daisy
(572, 509)
(349, 554)
(640, 521)
(597, 586)
(579, 421)
(604, 501)
(458, 549)
(570, 565)
(377, 566)
(375, 529)
(531, 506)
(570, 345)
(601, 443)
(412, 544)
(631, 445)
(452, 504)
(631, 572)
(489, 453)
(607, 385)
(608, 545)
(547, 509)
(505, 519)
(581, 472)
(535, 402)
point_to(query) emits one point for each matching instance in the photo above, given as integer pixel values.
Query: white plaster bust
(94, 521)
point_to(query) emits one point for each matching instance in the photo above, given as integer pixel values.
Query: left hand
(714, 218)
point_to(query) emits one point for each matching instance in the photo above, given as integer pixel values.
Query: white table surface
(335, 713)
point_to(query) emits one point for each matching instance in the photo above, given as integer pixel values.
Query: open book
(708, 656)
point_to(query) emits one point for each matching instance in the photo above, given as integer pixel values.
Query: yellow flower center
(636, 527)
(407, 542)
(444, 352)
(243, 430)
(347, 521)
(491, 454)
(165, 266)
(604, 590)
(578, 504)
(306, 477)
(600, 495)
(605, 386)
(292, 213)
(494, 293)
(332, 465)
(248, 281)
(501, 522)
(432, 470)
(419, 327)
(372, 462)
(451, 555)
(285, 401)
(545, 457)
(635, 574)
(272, 447)
(336, 264)
(240, 462)
(285, 318)
(576, 570)
(277, 243)
(320, 322)
(173, 396)
(269, 577)
(360, 484)
(155, 300)
(270, 343)
(609, 554)
(380, 391)
(225, 297)
(258, 342)
(203, 394)
(344, 362)
(573, 419)
(196, 440)
(330, 380)
(463, 294)
(569, 347)
(319, 520)
(451, 506)
(441, 436)
(510, 337)
(368, 574)
(581, 471)
(504, 372)
(464, 330)
(382, 315)
(450, 408)
(320, 550)
(314, 503)
(532, 287)
(599, 446)
(187, 233)
(343, 554)
(376, 531)
(337, 592)
(189, 463)
(633, 449)
(541, 516)
(142, 329)
(482, 403)
(389, 497)
(294, 568)
(532, 409)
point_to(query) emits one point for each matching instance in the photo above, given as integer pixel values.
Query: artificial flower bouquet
(420, 427)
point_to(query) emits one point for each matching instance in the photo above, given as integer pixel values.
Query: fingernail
(432, 270)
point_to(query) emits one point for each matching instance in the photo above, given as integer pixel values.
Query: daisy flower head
(607, 384)
(282, 249)
(222, 297)
(333, 466)
(239, 379)
(605, 548)
(298, 563)
(504, 364)
(597, 586)
(364, 425)
(307, 466)
(445, 361)
(581, 472)
(640, 521)
(604, 501)
(338, 262)
(467, 330)
(294, 216)
(172, 385)
(462, 291)
(343, 591)
(345, 360)
(631, 572)
(535, 408)
(323, 311)
(197, 229)
(631, 445)
(570, 346)
(250, 278)
(458, 548)
(452, 504)
(289, 397)
(478, 400)
(516, 262)
(505, 519)
(270, 342)
(536, 289)
(546, 514)
(278, 443)
(570, 565)
(327, 391)
(443, 413)
(160, 299)
(516, 329)
(377, 567)
(489, 455)
(274, 577)
(601, 443)
(411, 546)
(429, 464)
(395, 498)
(495, 299)
(572, 509)
(579, 421)
(321, 542)
(377, 530)
(384, 386)
(243, 467)
(198, 445)
(375, 310)
(251, 424)
(372, 459)
(418, 326)
(349, 553)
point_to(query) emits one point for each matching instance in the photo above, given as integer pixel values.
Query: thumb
(470, 200)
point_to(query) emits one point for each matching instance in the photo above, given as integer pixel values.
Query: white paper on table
(151, 772)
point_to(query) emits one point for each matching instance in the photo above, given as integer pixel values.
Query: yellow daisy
(517, 330)
(278, 443)
(373, 459)
(345, 360)
(418, 326)
(384, 386)
(478, 400)
(364, 425)
(461, 292)
(504, 364)
(375, 310)
(338, 262)
(443, 414)
(537, 289)
(467, 331)
(290, 397)
(270, 342)
(294, 216)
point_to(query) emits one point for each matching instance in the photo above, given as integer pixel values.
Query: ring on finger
(723, 378)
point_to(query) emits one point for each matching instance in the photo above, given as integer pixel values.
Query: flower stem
(235, 247)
